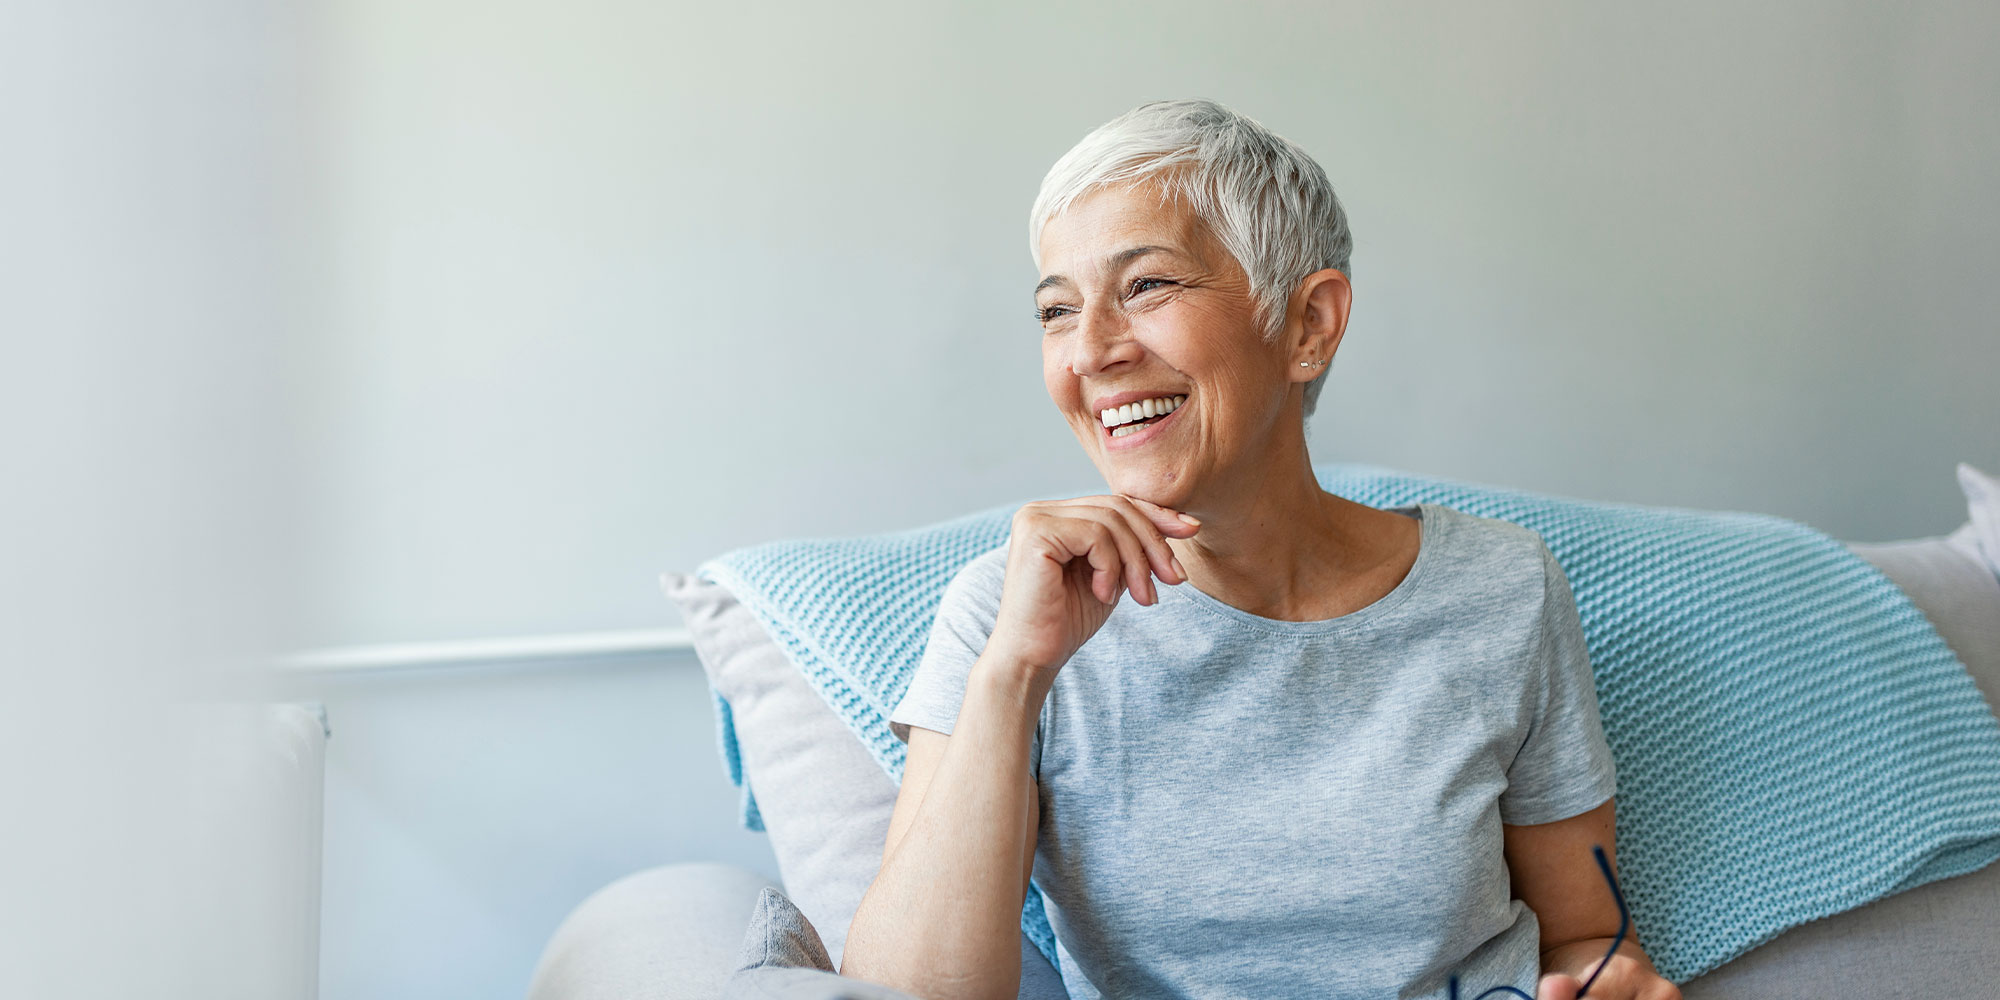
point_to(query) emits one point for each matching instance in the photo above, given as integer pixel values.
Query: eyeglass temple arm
(1624, 917)
(1624, 925)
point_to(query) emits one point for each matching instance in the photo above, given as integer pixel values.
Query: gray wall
(603, 288)
(609, 288)
(151, 827)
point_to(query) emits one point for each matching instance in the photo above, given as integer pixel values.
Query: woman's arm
(942, 919)
(1553, 871)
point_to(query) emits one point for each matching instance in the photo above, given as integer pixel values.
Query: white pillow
(1980, 536)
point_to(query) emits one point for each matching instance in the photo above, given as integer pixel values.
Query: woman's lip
(1144, 435)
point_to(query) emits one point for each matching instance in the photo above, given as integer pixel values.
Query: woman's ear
(1324, 298)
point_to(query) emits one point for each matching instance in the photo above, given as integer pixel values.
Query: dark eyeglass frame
(1624, 924)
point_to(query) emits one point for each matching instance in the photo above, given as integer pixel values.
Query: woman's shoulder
(979, 580)
(1498, 548)
(987, 566)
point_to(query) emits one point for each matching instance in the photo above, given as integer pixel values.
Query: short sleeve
(1564, 766)
(965, 617)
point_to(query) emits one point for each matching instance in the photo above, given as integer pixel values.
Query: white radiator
(254, 803)
(298, 735)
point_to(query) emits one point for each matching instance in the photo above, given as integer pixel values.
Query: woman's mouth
(1123, 422)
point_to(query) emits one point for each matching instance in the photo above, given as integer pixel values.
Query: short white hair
(1262, 197)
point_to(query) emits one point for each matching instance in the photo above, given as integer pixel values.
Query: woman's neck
(1278, 546)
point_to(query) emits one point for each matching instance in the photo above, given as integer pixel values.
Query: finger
(1165, 565)
(1082, 548)
(1558, 986)
(1138, 568)
(1168, 520)
(1097, 546)
(1122, 511)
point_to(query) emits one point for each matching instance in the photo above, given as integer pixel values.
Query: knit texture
(1792, 737)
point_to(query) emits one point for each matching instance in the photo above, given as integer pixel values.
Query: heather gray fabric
(662, 934)
(826, 802)
(779, 935)
(782, 957)
(1234, 806)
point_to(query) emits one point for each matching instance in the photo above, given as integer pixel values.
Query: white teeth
(1119, 432)
(1155, 407)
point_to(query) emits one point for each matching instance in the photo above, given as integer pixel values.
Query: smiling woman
(1168, 312)
(1346, 751)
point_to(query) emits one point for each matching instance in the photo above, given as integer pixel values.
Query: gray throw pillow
(826, 803)
(1951, 580)
(782, 957)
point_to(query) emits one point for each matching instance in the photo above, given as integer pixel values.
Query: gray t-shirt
(1236, 806)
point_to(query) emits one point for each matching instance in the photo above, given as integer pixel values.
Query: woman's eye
(1147, 284)
(1044, 314)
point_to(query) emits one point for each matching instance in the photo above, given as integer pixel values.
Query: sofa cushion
(667, 933)
(1935, 941)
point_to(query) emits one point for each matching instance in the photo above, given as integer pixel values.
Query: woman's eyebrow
(1112, 263)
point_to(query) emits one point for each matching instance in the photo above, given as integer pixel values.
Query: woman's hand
(1629, 976)
(1067, 563)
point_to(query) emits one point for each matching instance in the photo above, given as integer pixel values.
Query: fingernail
(1191, 519)
(1179, 570)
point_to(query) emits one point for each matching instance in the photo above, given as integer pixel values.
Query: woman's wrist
(1011, 682)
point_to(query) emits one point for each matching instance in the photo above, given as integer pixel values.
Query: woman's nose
(1103, 340)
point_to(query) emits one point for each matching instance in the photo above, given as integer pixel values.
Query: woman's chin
(1167, 489)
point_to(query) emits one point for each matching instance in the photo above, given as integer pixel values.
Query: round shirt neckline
(1429, 529)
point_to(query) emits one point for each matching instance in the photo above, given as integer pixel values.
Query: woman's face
(1138, 301)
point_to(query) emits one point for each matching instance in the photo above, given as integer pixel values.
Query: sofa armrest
(667, 933)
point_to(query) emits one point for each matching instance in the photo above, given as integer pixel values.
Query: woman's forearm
(942, 918)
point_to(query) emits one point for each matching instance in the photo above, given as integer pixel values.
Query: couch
(677, 932)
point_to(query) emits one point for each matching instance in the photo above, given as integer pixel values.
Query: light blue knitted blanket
(1792, 737)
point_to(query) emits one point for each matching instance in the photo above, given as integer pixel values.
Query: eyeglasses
(1624, 924)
